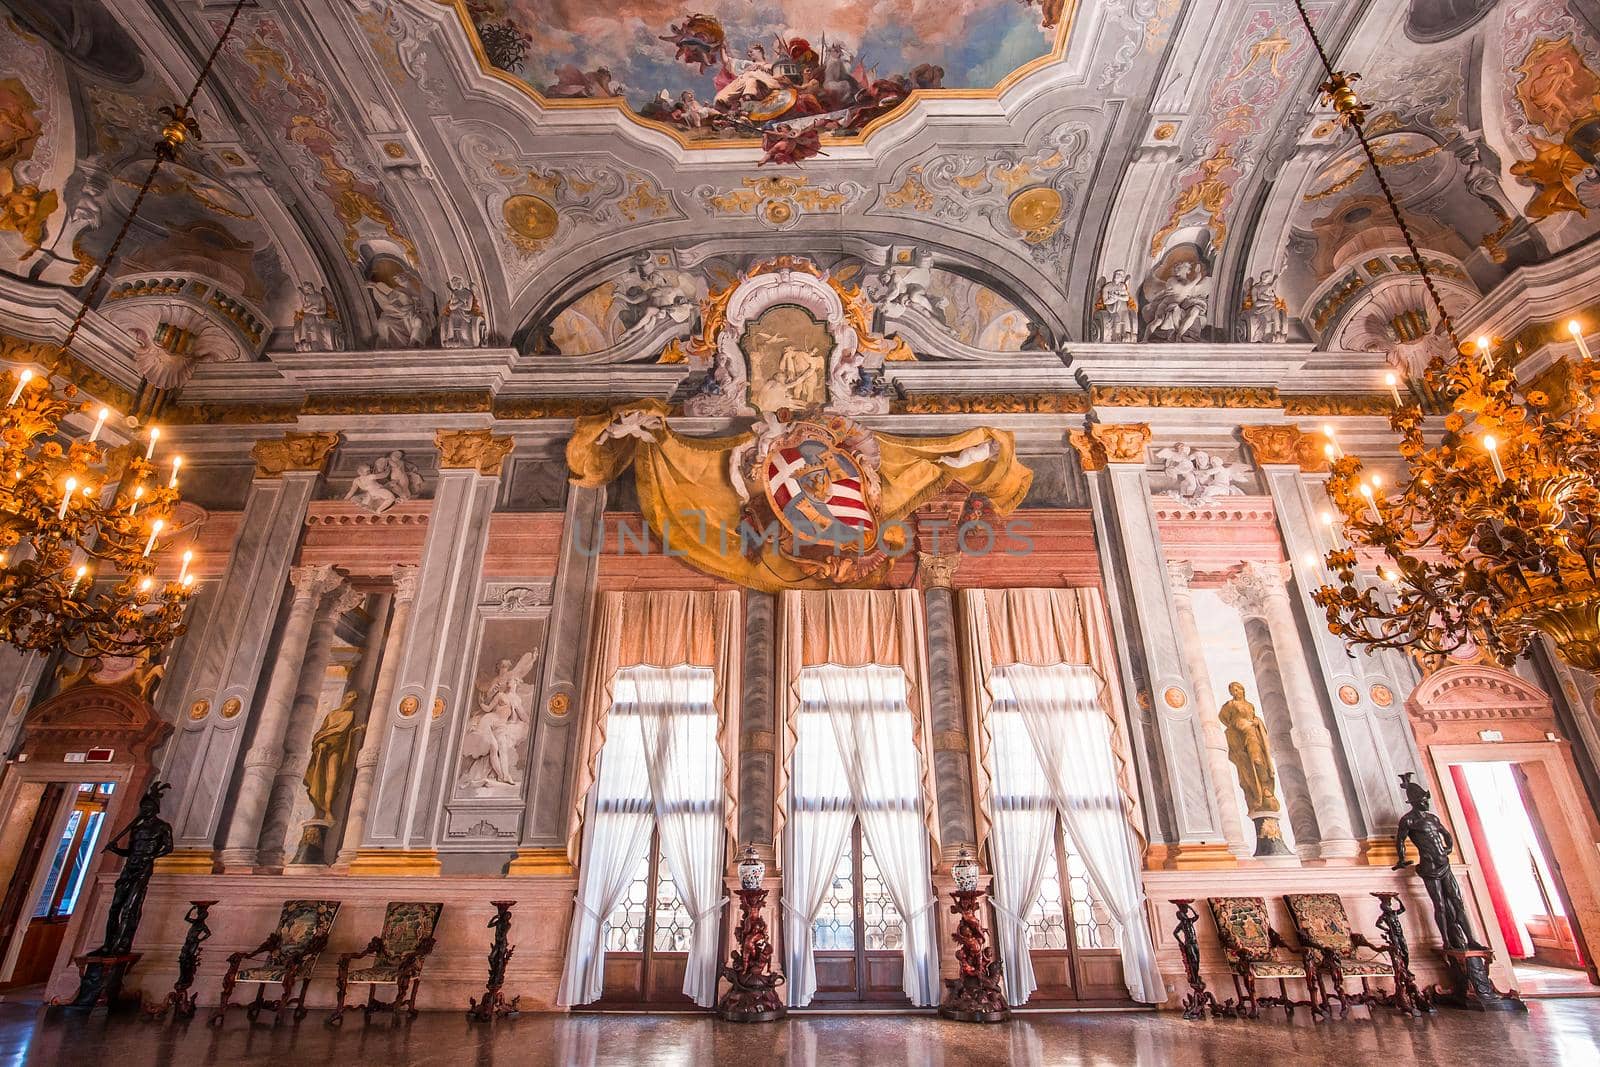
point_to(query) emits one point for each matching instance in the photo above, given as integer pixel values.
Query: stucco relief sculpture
(787, 336)
(1175, 298)
(909, 286)
(401, 323)
(1114, 307)
(1247, 749)
(316, 322)
(652, 294)
(491, 751)
(1265, 315)
(1199, 476)
(462, 323)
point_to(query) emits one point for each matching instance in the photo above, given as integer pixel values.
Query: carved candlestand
(1200, 999)
(180, 1001)
(977, 996)
(753, 993)
(494, 1004)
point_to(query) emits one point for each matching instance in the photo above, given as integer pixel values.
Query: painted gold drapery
(852, 628)
(662, 628)
(1041, 627)
(689, 501)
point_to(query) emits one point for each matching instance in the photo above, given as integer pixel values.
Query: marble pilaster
(544, 821)
(212, 710)
(1138, 586)
(288, 784)
(426, 698)
(20, 673)
(1205, 705)
(378, 714)
(265, 755)
(1263, 587)
(758, 725)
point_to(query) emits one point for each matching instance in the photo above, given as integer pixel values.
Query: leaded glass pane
(673, 922)
(1092, 925)
(833, 927)
(880, 917)
(1047, 919)
(624, 928)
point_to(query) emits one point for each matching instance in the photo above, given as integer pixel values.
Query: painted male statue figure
(1433, 842)
(148, 838)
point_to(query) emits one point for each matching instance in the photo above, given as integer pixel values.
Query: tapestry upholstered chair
(1254, 950)
(405, 942)
(1342, 953)
(289, 954)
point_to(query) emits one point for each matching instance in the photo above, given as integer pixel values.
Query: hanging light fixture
(1491, 535)
(72, 511)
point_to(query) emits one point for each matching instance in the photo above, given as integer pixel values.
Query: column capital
(478, 450)
(937, 571)
(1181, 573)
(1249, 590)
(294, 452)
(405, 582)
(1286, 445)
(349, 599)
(312, 582)
(1122, 442)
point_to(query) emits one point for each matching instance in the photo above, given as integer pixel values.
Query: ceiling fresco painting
(734, 69)
(574, 181)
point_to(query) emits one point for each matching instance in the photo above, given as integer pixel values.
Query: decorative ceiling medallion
(1035, 209)
(199, 709)
(1382, 695)
(530, 218)
(779, 201)
(735, 72)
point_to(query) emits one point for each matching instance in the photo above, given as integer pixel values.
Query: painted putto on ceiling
(733, 69)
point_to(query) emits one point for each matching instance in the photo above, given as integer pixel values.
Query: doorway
(1527, 893)
(47, 885)
(1072, 938)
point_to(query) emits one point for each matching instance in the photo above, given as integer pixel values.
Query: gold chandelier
(1490, 537)
(73, 510)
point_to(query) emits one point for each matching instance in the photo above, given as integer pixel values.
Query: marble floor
(1554, 1033)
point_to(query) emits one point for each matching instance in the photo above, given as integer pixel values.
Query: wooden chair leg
(300, 1010)
(1288, 1002)
(411, 1003)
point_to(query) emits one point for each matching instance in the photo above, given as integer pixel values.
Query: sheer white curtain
(820, 814)
(617, 834)
(872, 730)
(1023, 838)
(679, 727)
(1071, 738)
(661, 744)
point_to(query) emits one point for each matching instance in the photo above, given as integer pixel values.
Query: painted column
(378, 717)
(1205, 705)
(1311, 737)
(304, 715)
(952, 751)
(426, 701)
(265, 755)
(758, 726)
(1149, 636)
(1362, 693)
(212, 710)
(549, 796)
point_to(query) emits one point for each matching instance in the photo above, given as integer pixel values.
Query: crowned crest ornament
(811, 481)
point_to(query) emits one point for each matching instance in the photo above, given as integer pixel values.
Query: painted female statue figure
(1247, 748)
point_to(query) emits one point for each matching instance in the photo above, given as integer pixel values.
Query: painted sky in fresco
(977, 42)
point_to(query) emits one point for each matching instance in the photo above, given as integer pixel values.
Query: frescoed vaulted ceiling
(548, 157)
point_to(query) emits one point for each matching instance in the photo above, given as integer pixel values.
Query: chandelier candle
(1577, 335)
(149, 452)
(22, 383)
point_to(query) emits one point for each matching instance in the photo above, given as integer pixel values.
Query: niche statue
(1247, 750)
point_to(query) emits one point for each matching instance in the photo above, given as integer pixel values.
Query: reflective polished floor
(1554, 1032)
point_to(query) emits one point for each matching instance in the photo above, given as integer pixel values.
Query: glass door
(1072, 939)
(858, 933)
(647, 940)
(69, 861)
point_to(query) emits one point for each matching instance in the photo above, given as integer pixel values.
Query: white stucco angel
(1181, 464)
(369, 491)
